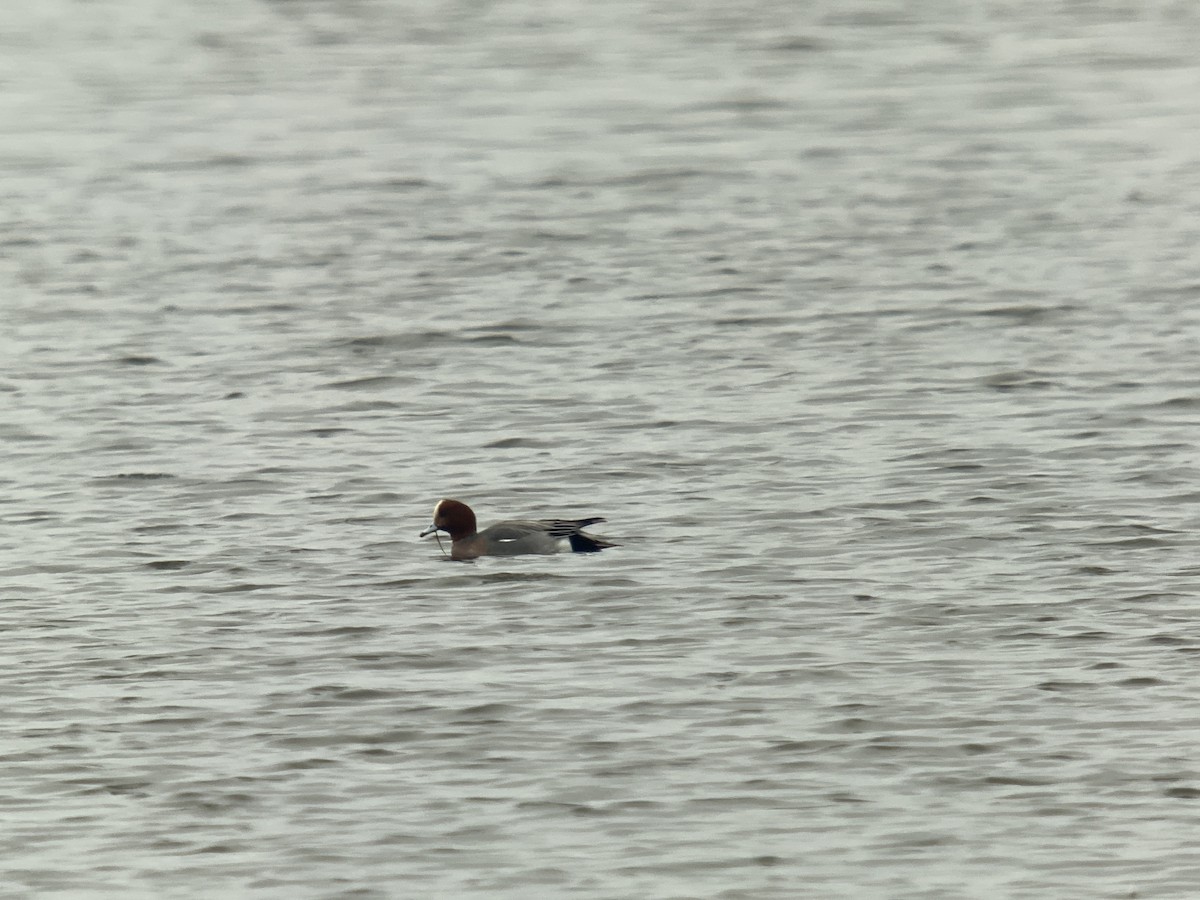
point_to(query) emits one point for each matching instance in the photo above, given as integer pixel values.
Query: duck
(513, 537)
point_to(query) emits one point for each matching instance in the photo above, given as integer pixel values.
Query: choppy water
(872, 330)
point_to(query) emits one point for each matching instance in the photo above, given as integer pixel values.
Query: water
(871, 330)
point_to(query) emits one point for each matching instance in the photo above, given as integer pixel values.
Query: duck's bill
(428, 531)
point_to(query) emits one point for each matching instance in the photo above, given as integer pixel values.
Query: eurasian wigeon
(510, 538)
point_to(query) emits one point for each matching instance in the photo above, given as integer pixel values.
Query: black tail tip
(583, 543)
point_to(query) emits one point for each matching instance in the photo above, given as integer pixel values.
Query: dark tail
(586, 543)
(572, 530)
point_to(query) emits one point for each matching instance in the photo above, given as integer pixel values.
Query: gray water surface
(871, 329)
